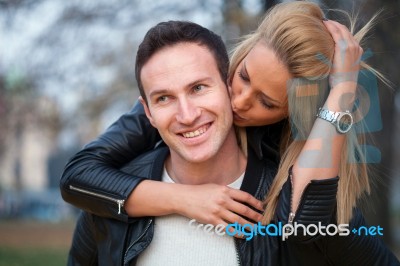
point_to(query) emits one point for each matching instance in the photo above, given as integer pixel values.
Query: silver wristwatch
(342, 120)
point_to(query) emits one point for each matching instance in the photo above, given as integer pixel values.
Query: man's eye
(162, 98)
(198, 88)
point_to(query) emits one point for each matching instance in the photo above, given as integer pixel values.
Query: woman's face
(258, 89)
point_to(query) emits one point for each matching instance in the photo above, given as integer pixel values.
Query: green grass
(32, 257)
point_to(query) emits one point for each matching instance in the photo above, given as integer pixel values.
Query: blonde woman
(292, 49)
(277, 73)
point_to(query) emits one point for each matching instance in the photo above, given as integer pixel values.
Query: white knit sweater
(176, 242)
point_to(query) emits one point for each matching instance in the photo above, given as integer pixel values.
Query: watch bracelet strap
(327, 115)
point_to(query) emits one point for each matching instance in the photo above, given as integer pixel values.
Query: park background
(66, 73)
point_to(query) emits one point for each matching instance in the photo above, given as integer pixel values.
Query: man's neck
(223, 168)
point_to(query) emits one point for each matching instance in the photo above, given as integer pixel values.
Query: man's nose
(188, 112)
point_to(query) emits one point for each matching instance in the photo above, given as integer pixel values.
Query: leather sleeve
(91, 179)
(317, 205)
(359, 247)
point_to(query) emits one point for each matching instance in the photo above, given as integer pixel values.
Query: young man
(181, 73)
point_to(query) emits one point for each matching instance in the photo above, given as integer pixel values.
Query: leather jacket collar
(265, 140)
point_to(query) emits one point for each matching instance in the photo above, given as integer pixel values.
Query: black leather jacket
(88, 176)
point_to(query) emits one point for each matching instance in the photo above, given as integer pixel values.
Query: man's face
(187, 101)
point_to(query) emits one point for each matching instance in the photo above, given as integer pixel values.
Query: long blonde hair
(296, 33)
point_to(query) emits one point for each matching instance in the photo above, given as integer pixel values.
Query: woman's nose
(241, 101)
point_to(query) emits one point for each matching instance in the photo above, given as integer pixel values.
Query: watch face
(344, 122)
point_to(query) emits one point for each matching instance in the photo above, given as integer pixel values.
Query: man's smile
(195, 133)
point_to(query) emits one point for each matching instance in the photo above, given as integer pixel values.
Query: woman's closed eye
(265, 103)
(243, 76)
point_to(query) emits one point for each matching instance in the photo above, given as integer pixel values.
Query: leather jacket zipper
(119, 202)
(141, 235)
(292, 213)
(236, 241)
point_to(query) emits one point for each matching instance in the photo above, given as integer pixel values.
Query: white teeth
(196, 133)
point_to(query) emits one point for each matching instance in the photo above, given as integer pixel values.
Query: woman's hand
(324, 141)
(345, 65)
(207, 204)
(216, 204)
(348, 52)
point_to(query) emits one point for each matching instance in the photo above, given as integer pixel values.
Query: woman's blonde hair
(296, 33)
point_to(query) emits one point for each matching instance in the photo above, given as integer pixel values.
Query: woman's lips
(238, 117)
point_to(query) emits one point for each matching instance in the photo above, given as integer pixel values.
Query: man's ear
(229, 85)
(147, 111)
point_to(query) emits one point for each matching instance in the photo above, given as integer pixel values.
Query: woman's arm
(208, 203)
(320, 156)
(91, 181)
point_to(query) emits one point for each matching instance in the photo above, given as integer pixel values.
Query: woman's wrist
(341, 97)
(175, 202)
(154, 198)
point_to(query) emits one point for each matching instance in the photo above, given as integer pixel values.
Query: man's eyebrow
(189, 86)
(157, 92)
(199, 81)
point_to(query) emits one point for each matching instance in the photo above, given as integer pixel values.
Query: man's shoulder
(260, 172)
(149, 164)
(266, 166)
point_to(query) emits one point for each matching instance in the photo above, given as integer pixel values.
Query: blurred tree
(16, 91)
(79, 57)
(3, 113)
(30, 128)
(385, 44)
(267, 4)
